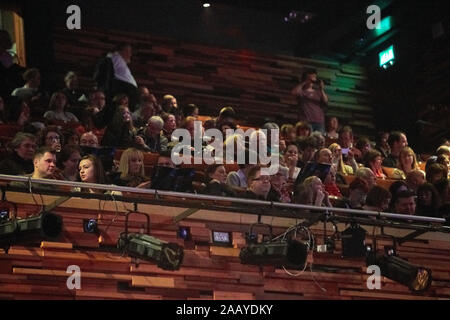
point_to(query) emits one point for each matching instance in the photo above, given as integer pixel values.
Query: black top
(16, 166)
(219, 189)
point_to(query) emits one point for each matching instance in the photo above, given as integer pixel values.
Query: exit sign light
(387, 57)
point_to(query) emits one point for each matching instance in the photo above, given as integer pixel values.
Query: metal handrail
(193, 196)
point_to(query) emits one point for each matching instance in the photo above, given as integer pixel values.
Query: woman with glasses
(52, 137)
(258, 186)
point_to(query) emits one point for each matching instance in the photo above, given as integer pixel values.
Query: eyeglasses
(52, 138)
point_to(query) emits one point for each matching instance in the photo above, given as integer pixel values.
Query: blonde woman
(407, 161)
(132, 170)
(337, 160)
(312, 192)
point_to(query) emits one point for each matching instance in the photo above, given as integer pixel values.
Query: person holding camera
(312, 99)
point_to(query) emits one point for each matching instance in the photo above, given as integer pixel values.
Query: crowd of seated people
(75, 136)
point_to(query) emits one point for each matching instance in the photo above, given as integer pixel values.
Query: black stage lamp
(31, 230)
(353, 242)
(290, 254)
(90, 226)
(184, 233)
(416, 278)
(168, 256)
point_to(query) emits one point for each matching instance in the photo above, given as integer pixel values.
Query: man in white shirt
(124, 81)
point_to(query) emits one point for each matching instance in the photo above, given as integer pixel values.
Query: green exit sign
(387, 57)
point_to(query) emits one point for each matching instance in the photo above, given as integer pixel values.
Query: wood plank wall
(258, 85)
(207, 272)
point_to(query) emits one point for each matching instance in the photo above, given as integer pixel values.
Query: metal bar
(55, 203)
(411, 236)
(191, 196)
(185, 214)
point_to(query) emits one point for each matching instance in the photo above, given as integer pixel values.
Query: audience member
(58, 103)
(76, 98)
(52, 137)
(123, 81)
(258, 185)
(279, 185)
(89, 139)
(216, 176)
(290, 161)
(407, 161)
(414, 179)
(405, 202)
(121, 133)
(190, 110)
(67, 162)
(436, 172)
(443, 188)
(44, 162)
(302, 129)
(30, 91)
(395, 188)
(361, 148)
(346, 143)
(372, 159)
(337, 160)
(312, 100)
(169, 104)
(145, 111)
(131, 170)
(330, 183)
(287, 133)
(307, 148)
(357, 194)
(378, 199)
(428, 201)
(150, 138)
(324, 155)
(367, 175)
(332, 128)
(312, 192)
(20, 160)
(91, 171)
(169, 125)
(381, 143)
(397, 141)
(239, 178)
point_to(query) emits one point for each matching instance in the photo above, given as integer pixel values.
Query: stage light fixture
(31, 230)
(206, 5)
(353, 242)
(290, 254)
(90, 226)
(168, 256)
(416, 278)
(4, 215)
(184, 233)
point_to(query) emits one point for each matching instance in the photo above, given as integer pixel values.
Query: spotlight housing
(184, 233)
(31, 230)
(417, 279)
(90, 226)
(168, 256)
(290, 254)
(353, 242)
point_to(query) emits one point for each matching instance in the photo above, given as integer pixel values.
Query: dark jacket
(219, 189)
(16, 166)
